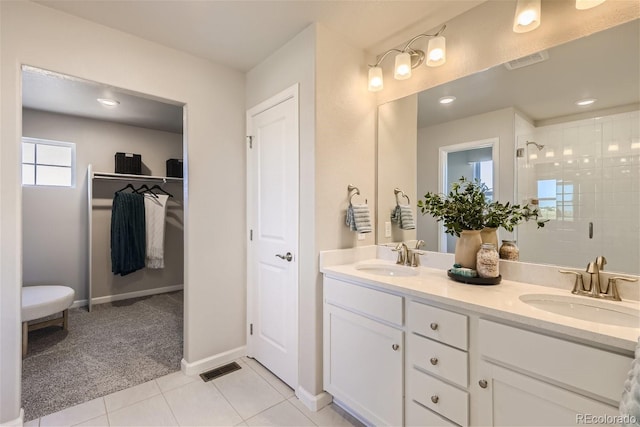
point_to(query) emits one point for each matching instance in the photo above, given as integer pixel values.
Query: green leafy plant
(467, 207)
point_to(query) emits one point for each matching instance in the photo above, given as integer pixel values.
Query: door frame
(444, 151)
(291, 92)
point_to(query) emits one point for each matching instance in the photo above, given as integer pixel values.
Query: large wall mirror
(579, 161)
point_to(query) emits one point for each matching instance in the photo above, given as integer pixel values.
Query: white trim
(18, 422)
(211, 362)
(136, 294)
(313, 402)
(444, 151)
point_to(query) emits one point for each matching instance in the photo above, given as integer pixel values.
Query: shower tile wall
(587, 172)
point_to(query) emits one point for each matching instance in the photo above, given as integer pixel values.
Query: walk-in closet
(103, 178)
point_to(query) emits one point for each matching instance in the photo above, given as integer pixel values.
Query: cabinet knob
(434, 360)
(395, 347)
(433, 326)
(482, 383)
(435, 398)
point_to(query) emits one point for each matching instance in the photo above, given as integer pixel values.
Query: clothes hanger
(145, 189)
(127, 186)
(157, 187)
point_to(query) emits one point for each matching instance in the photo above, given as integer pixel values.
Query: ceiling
(235, 33)
(605, 66)
(241, 34)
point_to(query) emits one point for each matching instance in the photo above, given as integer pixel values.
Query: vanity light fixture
(635, 145)
(447, 99)
(549, 153)
(108, 102)
(585, 102)
(613, 147)
(527, 17)
(588, 4)
(567, 152)
(409, 58)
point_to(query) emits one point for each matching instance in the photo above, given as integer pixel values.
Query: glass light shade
(527, 16)
(375, 79)
(436, 52)
(587, 4)
(403, 66)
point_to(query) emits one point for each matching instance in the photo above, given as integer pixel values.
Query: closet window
(48, 163)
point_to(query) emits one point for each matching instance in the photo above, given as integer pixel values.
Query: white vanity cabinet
(527, 378)
(437, 371)
(364, 350)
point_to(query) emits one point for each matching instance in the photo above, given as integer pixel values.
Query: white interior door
(272, 218)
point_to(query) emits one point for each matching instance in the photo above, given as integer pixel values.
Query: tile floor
(251, 396)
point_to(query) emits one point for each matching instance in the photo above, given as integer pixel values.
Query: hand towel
(630, 402)
(403, 216)
(359, 218)
(127, 233)
(155, 207)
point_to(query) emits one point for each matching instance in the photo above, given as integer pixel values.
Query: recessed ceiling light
(107, 102)
(585, 102)
(447, 99)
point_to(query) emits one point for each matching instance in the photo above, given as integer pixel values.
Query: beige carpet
(116, 346)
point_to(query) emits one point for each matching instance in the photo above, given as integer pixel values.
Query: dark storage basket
(129, 163)
(174, 168)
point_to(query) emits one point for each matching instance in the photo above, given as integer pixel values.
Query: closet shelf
(130, 177)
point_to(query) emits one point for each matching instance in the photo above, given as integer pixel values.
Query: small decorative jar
(488, 261)
(509, 250)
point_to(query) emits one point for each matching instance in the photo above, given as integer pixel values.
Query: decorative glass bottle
(488, 261)
(509, 250)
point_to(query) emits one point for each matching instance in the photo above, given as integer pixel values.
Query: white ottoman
(43, 301)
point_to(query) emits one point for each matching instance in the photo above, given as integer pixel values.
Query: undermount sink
(595, 310)
(389, 270)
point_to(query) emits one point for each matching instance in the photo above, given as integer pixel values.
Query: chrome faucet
(403, 253)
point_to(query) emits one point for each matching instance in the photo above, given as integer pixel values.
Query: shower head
(538, 146)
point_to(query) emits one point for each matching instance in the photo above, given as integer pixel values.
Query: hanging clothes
(155, 206)
(128, 244)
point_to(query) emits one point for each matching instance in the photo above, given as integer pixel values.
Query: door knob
(435, 398)
(433, 326)
(483, 383)
(395, 347)
(286, 256)
(434, 361)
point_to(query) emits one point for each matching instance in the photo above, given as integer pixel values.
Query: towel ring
(351, 188)
(397, 191)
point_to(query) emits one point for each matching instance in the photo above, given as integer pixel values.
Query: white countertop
(499, 301)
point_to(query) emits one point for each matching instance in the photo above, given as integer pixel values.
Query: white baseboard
(18, 422)
(79, 303)
(313, 402)
(202, 365)
(136, 294)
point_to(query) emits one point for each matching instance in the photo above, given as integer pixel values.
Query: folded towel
(155, 207)
(359, 218)
(466, 272)
(403, 216)
(630, 402)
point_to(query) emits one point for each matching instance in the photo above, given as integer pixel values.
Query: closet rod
(129, 177)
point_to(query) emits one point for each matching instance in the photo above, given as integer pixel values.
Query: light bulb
(436, 52)
(403, 66)
(527, 17)
(375, 79)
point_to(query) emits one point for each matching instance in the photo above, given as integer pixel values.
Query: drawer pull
(433, 326)
(435, 398)
(482, 383)
(434, 361)
(395, 347)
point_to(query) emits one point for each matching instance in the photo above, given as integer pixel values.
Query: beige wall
(396, 166)
(215, 250)
(295, 63)
(483, 37)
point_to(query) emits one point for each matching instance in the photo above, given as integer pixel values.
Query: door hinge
(250, 140)
(251, 329)
(250, 234)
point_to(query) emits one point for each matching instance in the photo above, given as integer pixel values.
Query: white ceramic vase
(467, 247)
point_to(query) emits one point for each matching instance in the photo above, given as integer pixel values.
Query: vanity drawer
(439, 396)
(593, 370)
(439, 359)
(438, 324)
(417, 415)
(366, 301)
